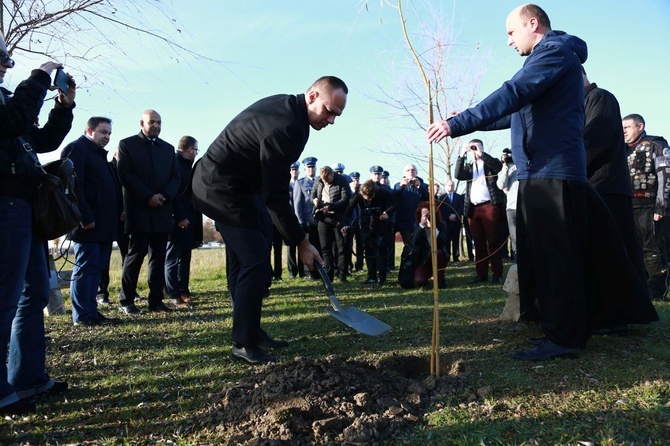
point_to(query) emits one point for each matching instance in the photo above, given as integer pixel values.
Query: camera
(473, 148)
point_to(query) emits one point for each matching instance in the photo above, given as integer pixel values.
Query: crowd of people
(582, 195)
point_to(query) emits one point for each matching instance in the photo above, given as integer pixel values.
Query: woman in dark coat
(417, 257)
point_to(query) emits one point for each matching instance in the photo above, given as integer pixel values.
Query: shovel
(351, 316)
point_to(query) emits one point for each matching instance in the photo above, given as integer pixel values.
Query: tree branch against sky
(454, 69)
(97, 39)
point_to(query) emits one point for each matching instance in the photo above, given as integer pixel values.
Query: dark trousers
(249, 277)
(574, 272)
(277, 245)
(139, 246)
(376, 250)
(333, 249)
(650, 237)
(485, 228)
(122, 242)
(468, 239)
(178, 264)
(292, 260)
(453, 240)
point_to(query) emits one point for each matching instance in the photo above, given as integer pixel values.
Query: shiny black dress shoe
(370, 282)
(264, 340)
(253, 355)
(477, 279)
(546, 350)
(496, 280)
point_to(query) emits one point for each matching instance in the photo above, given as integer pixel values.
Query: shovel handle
(328, 287)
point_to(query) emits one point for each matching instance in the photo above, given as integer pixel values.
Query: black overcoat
(145, 169)
(97, 186)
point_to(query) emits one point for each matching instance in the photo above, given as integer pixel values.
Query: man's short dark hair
(637, 119)
(479, 141)
(530, 10)
(369, 188)
(330, 83)
(95, 121)
(186, 142)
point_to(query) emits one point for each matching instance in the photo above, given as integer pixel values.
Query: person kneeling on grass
(416, 265)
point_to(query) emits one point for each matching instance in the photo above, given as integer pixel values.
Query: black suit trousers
(139, 245)
(249, 277)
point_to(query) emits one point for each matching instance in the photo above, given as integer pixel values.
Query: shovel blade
(360, 321)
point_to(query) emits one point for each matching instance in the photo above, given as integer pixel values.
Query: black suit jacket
(146, 169)
(448, 207)
(251, 159)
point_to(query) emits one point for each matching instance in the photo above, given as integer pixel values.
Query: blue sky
(275, 47)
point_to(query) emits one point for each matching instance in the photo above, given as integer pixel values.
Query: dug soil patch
(334, 400)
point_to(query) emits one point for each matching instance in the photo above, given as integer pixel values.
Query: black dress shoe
(536, 341)
(381, 281)
(496, 280)
(84, 323)
(20, 407)
(546, 350)
(264, 340)
(102, 300)
(253, 355)
(130, 309)
(159, 306)
(477, 279)
(101, 319)
(370, 281)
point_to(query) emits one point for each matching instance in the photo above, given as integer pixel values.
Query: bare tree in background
(454, 70)
(83, 33)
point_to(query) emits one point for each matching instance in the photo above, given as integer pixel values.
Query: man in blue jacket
(569, 248)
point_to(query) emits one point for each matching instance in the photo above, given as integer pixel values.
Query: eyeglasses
(6, 59)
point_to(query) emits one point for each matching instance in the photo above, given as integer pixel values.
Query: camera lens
(473, 147)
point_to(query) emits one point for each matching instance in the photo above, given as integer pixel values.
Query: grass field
(151, 379)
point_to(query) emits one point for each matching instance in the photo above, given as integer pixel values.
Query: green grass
(151, 380)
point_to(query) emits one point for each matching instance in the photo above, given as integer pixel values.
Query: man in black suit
(242, 183)
(186, 229)
(150, 179)
(451, 208)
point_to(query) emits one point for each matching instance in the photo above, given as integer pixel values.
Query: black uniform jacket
(146, 169)
(251, 159)
(97, 191)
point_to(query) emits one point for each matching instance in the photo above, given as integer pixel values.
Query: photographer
(330, 196)
(409, 192)
(483, 205)
(376, 205)
(24, 277)
(508, 183)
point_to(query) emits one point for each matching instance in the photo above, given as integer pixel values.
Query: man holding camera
(376, 205)
(483, 205)
(410, 191)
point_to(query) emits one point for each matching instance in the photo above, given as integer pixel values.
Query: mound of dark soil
(335, 400)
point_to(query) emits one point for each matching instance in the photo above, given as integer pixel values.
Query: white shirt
(479, 191)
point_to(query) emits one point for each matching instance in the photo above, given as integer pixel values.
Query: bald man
(568, 246)
(150, 178)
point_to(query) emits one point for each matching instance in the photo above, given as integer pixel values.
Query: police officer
(376, 205)
(646, 162)
(291, 262)
(304, 208)
(338, 168)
